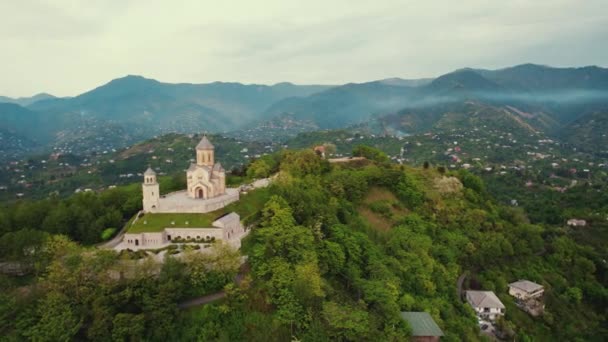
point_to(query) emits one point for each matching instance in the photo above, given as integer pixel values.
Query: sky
(66, 47)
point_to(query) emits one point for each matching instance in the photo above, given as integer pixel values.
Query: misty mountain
(460, 115)
(344, 105)
(396, 81)
(540, 78)
(153, 107)
(134, 108)
(26, 101)
(561, 94)
(461, 82)
(588, 133)
(19, 120)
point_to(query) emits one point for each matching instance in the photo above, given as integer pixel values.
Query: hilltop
(334, 243)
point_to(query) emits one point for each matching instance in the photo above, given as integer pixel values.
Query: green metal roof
(422, 324)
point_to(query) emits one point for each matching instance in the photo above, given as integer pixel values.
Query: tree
(370, 153)
(258, 169)
(58, 320)
(128, 327)
(308, 283)
(346, 322)
(305, 162)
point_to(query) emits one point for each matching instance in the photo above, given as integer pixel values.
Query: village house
(485, 304)
(576, 223)
(525, 289)
(424, 328)
(320, 150)
(528, 296)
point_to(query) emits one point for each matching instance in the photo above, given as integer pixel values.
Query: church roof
(218, 167)
(226, 219)
(204, 144)
(150, 172)
(194, 166)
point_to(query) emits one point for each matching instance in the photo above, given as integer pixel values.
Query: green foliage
(258, 169)
(301, 163)
(370, 153)
(57, 320)
(319, 271)
(471, 181)
(107, 233)
(83, 217)
(346, 323)
(408, 190)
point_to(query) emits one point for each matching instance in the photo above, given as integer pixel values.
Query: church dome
(204, 144)
(150, 172)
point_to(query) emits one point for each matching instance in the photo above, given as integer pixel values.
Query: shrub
(107, 233)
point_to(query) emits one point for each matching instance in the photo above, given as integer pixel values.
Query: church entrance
(136, 242)
(199, 193)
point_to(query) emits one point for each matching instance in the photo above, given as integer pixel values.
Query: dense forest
(338, 251)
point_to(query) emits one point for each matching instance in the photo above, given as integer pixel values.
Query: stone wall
(163, 238)
(180, 202)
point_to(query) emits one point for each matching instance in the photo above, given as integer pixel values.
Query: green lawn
(247, 206)
(157, 222)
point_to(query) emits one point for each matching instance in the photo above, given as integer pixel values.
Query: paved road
(116, 239)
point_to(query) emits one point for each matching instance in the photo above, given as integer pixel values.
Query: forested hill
(338, 251)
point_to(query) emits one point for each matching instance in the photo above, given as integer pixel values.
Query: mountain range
(555, 100)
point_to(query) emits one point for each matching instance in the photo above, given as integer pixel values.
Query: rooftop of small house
(484, 299)
(526, 286)
(422, 324)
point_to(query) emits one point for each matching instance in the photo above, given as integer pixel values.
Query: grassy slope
(382, 197)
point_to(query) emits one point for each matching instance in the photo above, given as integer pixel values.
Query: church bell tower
(204, 153)
(151, 191)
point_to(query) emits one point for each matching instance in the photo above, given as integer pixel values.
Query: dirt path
(459, 283)
(202, 300)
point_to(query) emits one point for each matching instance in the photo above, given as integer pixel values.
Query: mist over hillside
(138, 108)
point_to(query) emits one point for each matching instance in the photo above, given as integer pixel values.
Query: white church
(206, 192)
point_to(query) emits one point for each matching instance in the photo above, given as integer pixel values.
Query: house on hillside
(528, 296)
(576, 223)
(424, 328)
(525, 289)
(485, 304)
(320, 151)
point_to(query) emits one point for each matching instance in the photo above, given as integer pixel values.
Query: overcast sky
(67, 47)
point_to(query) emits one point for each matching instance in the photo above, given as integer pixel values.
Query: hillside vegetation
(322, 270)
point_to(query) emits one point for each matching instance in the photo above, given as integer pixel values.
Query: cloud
(67, 47)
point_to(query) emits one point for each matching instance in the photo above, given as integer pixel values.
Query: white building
(576, 223)
(227, 228)
(485, 304)
(525, 289)
(206, 191)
